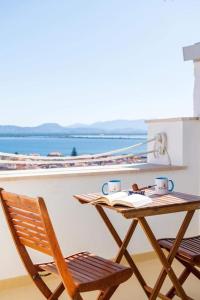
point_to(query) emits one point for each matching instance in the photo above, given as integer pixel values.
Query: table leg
(167, 261)
(123, 246)
(126, 241)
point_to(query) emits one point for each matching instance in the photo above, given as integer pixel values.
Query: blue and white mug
(111, 187)
(162, 185)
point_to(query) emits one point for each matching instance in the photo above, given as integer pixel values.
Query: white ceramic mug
(162, 185)
(111, 187)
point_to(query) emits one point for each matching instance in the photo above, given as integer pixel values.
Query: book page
(134, 200)
(116, 196)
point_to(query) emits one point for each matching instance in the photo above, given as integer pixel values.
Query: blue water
(84, 144)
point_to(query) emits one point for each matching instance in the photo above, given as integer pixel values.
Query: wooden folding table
(170, 203)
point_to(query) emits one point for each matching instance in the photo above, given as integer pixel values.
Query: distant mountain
(78, 125)
(108, 127)
(44, 128)
(121, 124)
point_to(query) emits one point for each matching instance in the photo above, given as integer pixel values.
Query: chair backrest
(30, 226)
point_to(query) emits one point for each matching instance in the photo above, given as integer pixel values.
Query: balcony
(59, 185)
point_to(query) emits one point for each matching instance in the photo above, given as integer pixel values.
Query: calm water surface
(83, 144)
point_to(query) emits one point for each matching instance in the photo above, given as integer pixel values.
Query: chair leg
(182, 278)
(107, 294)
(77, 297)
(190, 267)
(58, 291)
(44, 289)
(41, 285)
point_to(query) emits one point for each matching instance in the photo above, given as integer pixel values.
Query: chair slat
(93, 263)
(33, 228)
(34, 246)
(34, 239)
(87, 273)
(189, 248)
(29, 208)
(101, 261)
(27, 220)
(17, 211)
(28, 232)
(188, 254)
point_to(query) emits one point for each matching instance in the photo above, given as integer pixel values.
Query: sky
(84, 61)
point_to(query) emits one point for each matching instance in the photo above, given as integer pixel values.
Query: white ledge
(191, 52)
(178, 119)
(133, 168)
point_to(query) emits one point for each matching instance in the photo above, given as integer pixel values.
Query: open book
(122, 198)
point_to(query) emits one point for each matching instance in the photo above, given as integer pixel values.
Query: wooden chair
(188, 255)
(31, 227)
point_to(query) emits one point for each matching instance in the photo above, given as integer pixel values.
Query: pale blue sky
(85, 61)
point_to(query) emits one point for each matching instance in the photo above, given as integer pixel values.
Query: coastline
(58, 146)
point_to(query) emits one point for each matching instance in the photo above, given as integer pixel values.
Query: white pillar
(196, 92)
(193, 53)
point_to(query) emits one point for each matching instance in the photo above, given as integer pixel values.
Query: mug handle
(103, 186)
(172, 186)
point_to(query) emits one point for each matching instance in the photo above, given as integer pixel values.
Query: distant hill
(136, 125)
(108, 127)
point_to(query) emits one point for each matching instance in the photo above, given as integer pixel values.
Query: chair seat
(91, 272)
(189, 249)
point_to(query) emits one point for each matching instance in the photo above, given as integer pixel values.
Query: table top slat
(162, 204)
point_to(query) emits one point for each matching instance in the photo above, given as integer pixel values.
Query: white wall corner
(174, 132)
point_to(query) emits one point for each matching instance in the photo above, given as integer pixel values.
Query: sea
(84, 144)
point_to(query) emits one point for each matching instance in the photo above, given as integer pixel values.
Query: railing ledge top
(173, 119)
(114, 169)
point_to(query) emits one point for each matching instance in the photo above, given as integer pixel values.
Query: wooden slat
(189, 247)
(19, 223)
(16, 211)
(78, 277)
(28, 221)
(25, 230)
(17, 204)
(33, 246)
(24, 201)
(86, 267)
(159, 210)
(34, 238)
(170, 203)
(103, 264)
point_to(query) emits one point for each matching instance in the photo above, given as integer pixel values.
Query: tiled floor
(130, 290)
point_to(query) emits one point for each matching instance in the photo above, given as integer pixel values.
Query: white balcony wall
(79, 227)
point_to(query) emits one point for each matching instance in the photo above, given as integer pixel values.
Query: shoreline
(75, 136)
